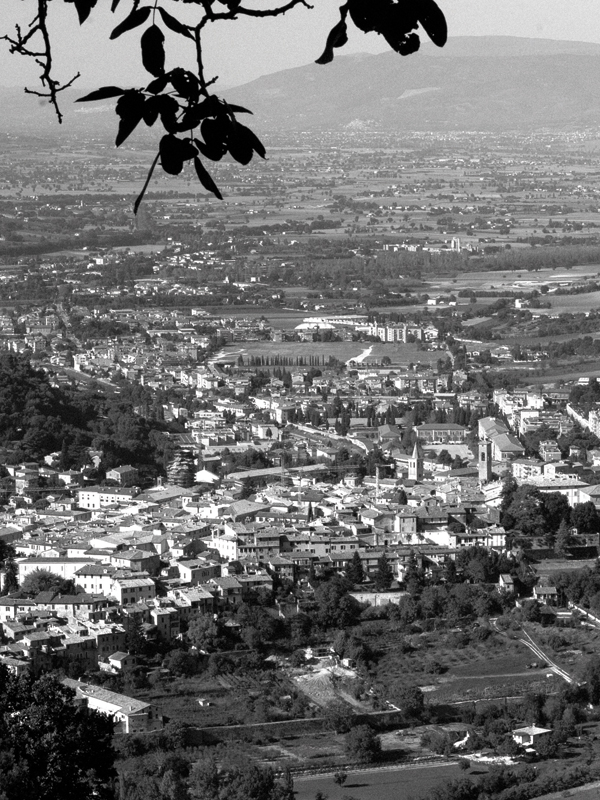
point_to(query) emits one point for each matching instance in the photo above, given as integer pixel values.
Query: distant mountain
(474, 83)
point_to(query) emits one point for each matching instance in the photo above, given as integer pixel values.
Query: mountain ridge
(482, 83)
(491, 83)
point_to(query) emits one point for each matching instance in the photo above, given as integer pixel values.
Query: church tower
(484, 463)
(415, 464)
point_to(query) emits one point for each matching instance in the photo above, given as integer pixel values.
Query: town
(319, 473)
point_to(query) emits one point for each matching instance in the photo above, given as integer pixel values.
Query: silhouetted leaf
(215, 133)
(173, 152)
(114, 5)
(136, 18)
(169, 108)
(214, 152)
(101, 94)
(433, 22)
(153, 50)
(158, 84)
(196, 113)
(130, 108)
(140, 196)
(240, 145)
(396, 21)
(83, 8)
(251, 138)
(238, 109)
(405, 44)
(185, 83)
(174, 24)
(338, 36)
(151, 110)
(205, 178)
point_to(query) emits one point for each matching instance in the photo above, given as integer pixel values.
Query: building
(129, 715)
(124, 476)
(531, 735)
(441, 433)
(96, 497)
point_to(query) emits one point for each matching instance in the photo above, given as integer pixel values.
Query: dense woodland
(38, 419)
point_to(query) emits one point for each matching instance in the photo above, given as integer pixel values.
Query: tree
(409, 699)
(384, 575)
(135, 641)
(52, 748)
(354, 571)
(362, 744)
(525, 511)
(556, 509)
(563, 539)
(237, 781)
(11, 576)
(340, 777)
(206, 634)
(585, 517)
(42, 580)
(181, 100)
(339, 716)
(335, 607)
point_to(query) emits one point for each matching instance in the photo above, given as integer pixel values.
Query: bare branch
(272, 12)
(42, 57)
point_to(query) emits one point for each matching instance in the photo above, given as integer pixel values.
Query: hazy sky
(245, 49)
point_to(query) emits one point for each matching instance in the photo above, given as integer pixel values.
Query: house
(229, 590)
(121, 661)
(95, 578)
(198, 570)
(124, 476)
(531, 735)
(546, 594)
(133, 590)
(506, 583)
(136, 561)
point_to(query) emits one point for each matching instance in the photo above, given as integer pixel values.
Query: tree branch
(272, 12)
(42, 57)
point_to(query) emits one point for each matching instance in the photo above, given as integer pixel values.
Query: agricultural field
(523, 280)
(401, 355)
(448, 670)
(402, 783)
(227, 699)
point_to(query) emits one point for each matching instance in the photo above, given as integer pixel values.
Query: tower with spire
(415, 464)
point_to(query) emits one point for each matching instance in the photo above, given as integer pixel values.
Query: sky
(240, 51)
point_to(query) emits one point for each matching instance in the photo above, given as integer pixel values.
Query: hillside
(483, 83)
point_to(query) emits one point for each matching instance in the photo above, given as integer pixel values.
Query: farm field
(232, 699)
(400, 354)
(523, 280)
(449, 672)
(403, 783)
